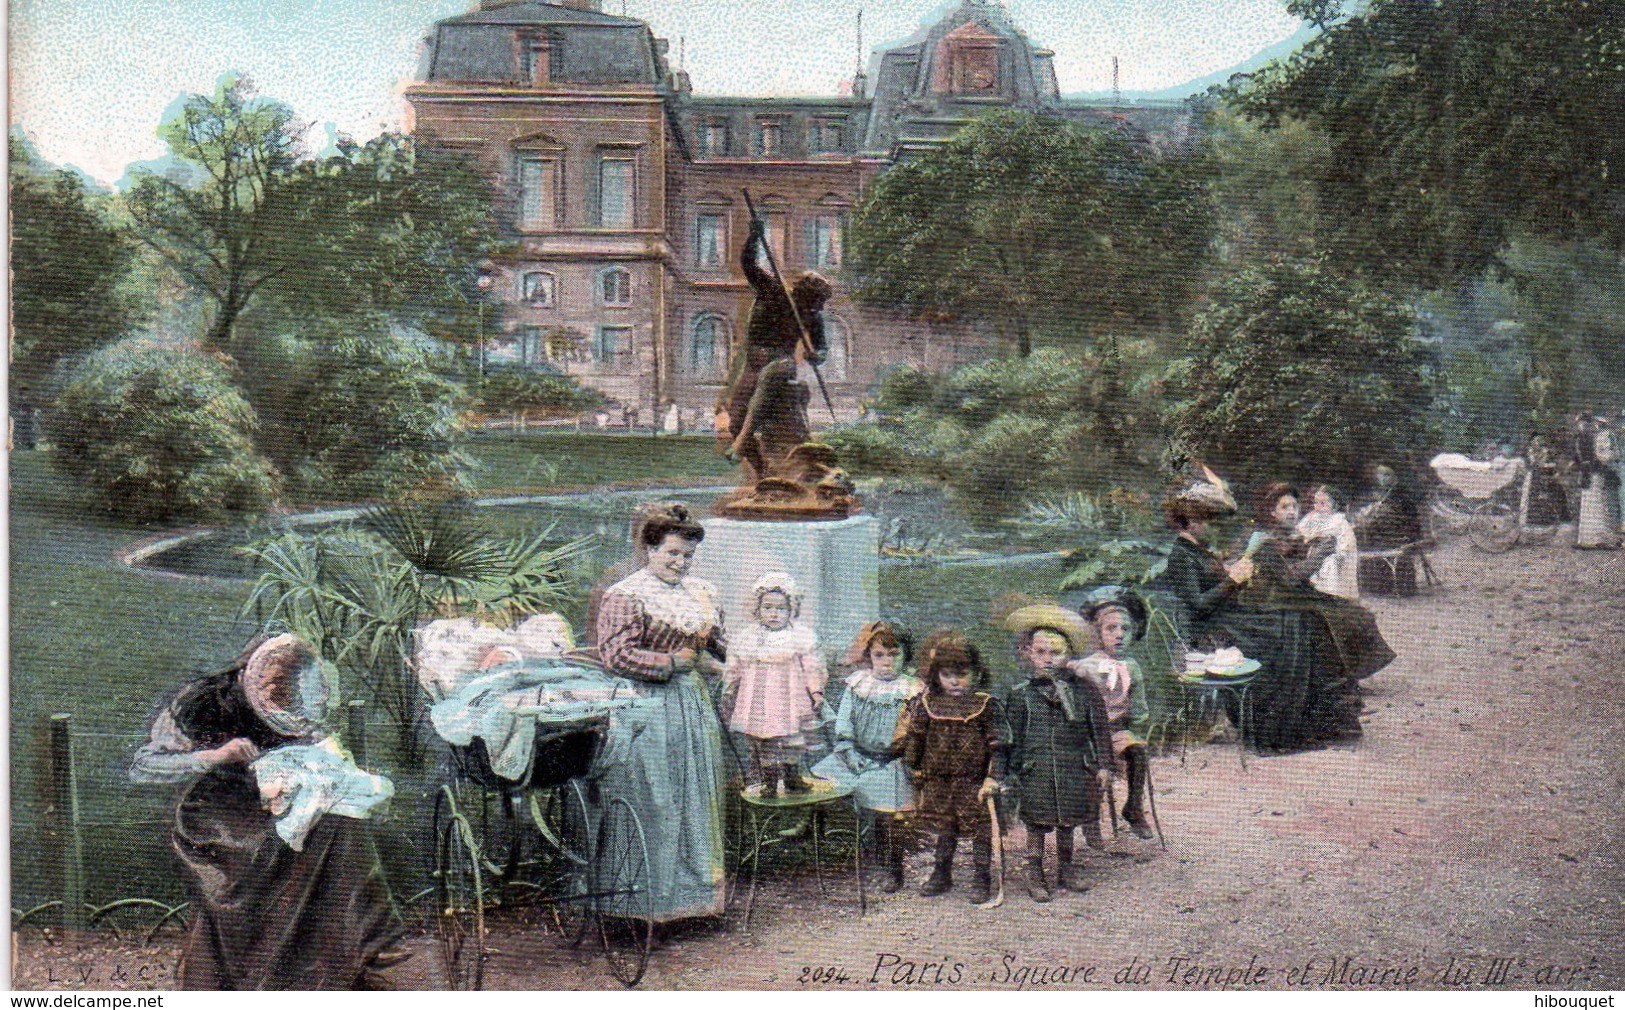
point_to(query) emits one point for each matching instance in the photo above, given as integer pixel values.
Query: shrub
(524, 392)
(367, 416)
(156, 431)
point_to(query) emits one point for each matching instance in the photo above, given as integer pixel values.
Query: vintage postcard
(821, 495)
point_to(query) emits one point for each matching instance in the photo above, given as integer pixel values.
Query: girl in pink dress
(778, 678)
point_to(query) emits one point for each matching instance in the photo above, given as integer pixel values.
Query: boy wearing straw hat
(1060, 742)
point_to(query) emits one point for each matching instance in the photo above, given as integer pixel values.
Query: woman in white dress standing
(1595, 452)
(1339, 573)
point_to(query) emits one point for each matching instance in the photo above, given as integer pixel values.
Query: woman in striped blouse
(664, 629)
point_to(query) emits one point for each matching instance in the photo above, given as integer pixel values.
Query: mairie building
(622, 188)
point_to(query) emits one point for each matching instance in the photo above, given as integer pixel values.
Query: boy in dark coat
(1060, 743)
(951, 739)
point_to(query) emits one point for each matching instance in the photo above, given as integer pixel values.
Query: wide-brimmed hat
(289, 663)
(1208, 498)
(1103, 598)
(1051, 617)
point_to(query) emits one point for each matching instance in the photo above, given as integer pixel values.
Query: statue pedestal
(836, 563)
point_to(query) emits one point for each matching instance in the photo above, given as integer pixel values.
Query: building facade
(624, 190)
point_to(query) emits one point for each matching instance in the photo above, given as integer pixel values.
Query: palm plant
(358, 593)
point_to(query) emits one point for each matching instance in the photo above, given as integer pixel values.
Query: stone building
(623, 188)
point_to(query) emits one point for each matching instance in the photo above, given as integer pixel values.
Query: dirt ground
(1471, 840)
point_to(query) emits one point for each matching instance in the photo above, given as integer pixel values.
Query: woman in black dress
(1306, 694)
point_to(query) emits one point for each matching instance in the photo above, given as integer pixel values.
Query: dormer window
(535, 59)
(713, 138)
(769, 138)
(969, 61)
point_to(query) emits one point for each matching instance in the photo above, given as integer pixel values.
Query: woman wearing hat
(264, 915)
(1301, 698)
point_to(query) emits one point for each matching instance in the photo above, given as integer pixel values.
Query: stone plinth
(836, 563)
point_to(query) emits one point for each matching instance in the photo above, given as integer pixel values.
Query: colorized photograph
(820, 495)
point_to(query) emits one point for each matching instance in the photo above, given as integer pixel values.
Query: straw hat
(1051, 617)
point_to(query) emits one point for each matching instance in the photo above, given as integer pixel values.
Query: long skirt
(267, 917)
(1599, 515)
(664, 757)
(1303, 697)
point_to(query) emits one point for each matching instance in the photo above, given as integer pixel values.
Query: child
(951, 741)
(775, 670)
(1060, 743)
(865, 727)
(1118, 616)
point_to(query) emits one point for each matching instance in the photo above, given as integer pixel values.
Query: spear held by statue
(795, 312)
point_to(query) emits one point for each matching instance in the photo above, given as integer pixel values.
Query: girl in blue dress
(865, 725)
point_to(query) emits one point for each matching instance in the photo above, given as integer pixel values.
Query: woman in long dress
(1595, 452)
(264, 915)
(663, 628)
(1389, 520)
(1305, 694)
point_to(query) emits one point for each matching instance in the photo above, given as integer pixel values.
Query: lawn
(103, 642)
(508, 461)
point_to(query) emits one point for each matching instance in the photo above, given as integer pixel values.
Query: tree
(1034, 225)
(1299, 373)
(67, 263)
(379, 228)
(209, 217)
(1454, 124)
(155, 431)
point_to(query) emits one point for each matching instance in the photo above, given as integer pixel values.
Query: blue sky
(91, 79)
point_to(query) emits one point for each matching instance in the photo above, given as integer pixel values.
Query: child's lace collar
(757, 642)
(863, 683)
(689, 607)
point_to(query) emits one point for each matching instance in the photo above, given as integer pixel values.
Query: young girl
(865, 727)
(778, 679)
(951, 740)
(1339, 573)
(1118, 617)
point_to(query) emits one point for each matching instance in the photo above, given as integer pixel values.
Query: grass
(509, 461)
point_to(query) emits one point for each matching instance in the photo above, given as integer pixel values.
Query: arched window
(708, 345)
(837, 347)
(538, 288)
(615, 286)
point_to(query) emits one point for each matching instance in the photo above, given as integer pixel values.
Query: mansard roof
(587, 47)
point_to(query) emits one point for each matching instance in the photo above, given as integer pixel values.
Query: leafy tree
(247, 218)
(1031, 224)
(1454, 123)
(67, 262)
(209, 218)
(154, 431)
(1296, 372)
(1001, 429)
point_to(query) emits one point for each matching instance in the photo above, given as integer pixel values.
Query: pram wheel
(458, 908)
(562, 818)
(621, 882)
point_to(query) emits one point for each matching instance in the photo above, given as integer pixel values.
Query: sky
(92, 79)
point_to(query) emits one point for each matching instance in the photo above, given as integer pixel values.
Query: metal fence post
(356, 730)
(63, 834)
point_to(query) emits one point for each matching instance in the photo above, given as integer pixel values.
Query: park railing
(66, 833)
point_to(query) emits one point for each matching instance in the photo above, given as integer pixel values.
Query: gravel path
(1471, 840)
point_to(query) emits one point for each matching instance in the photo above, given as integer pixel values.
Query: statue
(762, 417)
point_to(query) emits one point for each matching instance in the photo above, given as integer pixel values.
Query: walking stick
(1151, 794)
(998, 855)
(795, 313)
